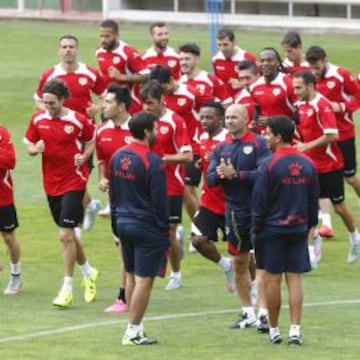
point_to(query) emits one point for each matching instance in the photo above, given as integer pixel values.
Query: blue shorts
(238, 232)
(143, 247)
(281, 252)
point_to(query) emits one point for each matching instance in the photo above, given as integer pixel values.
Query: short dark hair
(140, 122)
(111, 24)
(315, 53)
(159, 24)
(277, 55)
(70, 37)
(220, 111)
(292, 38)
(122, 95)
(282, 125)
(57, 88)
(307, 76)
(152, 88)
(225, 32)
(248, 65)
(191, 48)
(161, 73)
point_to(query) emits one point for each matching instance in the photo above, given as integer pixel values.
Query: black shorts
(238, 232)
(332, 186)
(192, 173)
(143, 248)
(8, 218)
(175, 208)
(348, 150)
(67, 209)
(279, 253)
(208, 223)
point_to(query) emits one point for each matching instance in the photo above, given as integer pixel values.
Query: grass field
(191, 322)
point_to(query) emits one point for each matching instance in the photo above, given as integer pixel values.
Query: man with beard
(120, 63)
(160, 53)
(139, 205)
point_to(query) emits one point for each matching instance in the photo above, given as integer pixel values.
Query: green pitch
(189, 323)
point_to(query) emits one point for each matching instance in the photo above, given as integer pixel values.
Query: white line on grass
(153, 318)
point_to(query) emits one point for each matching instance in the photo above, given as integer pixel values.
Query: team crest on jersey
(164, 130)
(276, 92)
(128, 139)
(172, 63)
(295, 169)
(181, 102)
(116, 60)
(330, 84)
(201, 89)
(310, 112)
(83, 81)
(69, 129)
(125, 163)
(248, 149)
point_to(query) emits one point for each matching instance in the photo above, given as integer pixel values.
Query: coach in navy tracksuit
(234, 164)
(284, 209)
(139, 204)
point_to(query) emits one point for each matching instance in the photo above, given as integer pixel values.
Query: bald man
(234, 165)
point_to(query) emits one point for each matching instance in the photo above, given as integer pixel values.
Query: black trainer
(276, 339)
(263, 324)
(295, 340)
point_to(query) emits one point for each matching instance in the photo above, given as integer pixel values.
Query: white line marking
(154, 318)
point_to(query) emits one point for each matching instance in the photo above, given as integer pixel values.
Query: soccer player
(120, 63)
(140, 207)
(82, 81)
(225, 61)
(341, 89)
(8, 216)
(208, 86)
(319, 134)
(273, 92)
(284, 209)
(111, 135)
(294, 58)
(234, 164)
(173, 145)
(160, 53)
(57, 133)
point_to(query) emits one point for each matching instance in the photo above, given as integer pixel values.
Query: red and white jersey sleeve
(172, 138)
(183, 103)
(211, 198)
(81, 83)
(226, 69)
(63, 138)
(7, 163)
(338, 85)
(274, 98)
(209, 87)
(124, 58)
(318, 119)
(243, 97)
(292, 67)
(168, 58)
(110, 138)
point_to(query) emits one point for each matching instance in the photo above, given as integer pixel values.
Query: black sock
(122, 295)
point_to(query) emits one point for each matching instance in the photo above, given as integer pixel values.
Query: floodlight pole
(214, 10)
(21, 5)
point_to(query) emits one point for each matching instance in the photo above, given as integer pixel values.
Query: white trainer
(90, 214)
(354, 251)
(14, 285)
(173, 284)
(105, 212)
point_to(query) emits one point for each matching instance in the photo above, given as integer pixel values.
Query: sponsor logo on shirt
(259, 92)
(83, 81)
(220, 67)
(69, 129)
(248, 149)
(44, 127)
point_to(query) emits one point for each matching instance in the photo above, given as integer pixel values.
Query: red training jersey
(317, 119)
(7, 163)
(292, 67)
(63, 138)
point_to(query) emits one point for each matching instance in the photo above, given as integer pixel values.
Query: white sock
(249, 310)
(354, 236)
(273, 331)
(133, 330)
(326, 220)
(86, 269)
(68, 284)
(176, 275)
(77, 233)
(224, 263)
(294, 330)
(15, 269)
(262, 312)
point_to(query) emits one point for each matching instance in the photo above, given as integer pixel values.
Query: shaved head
(236, 117)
